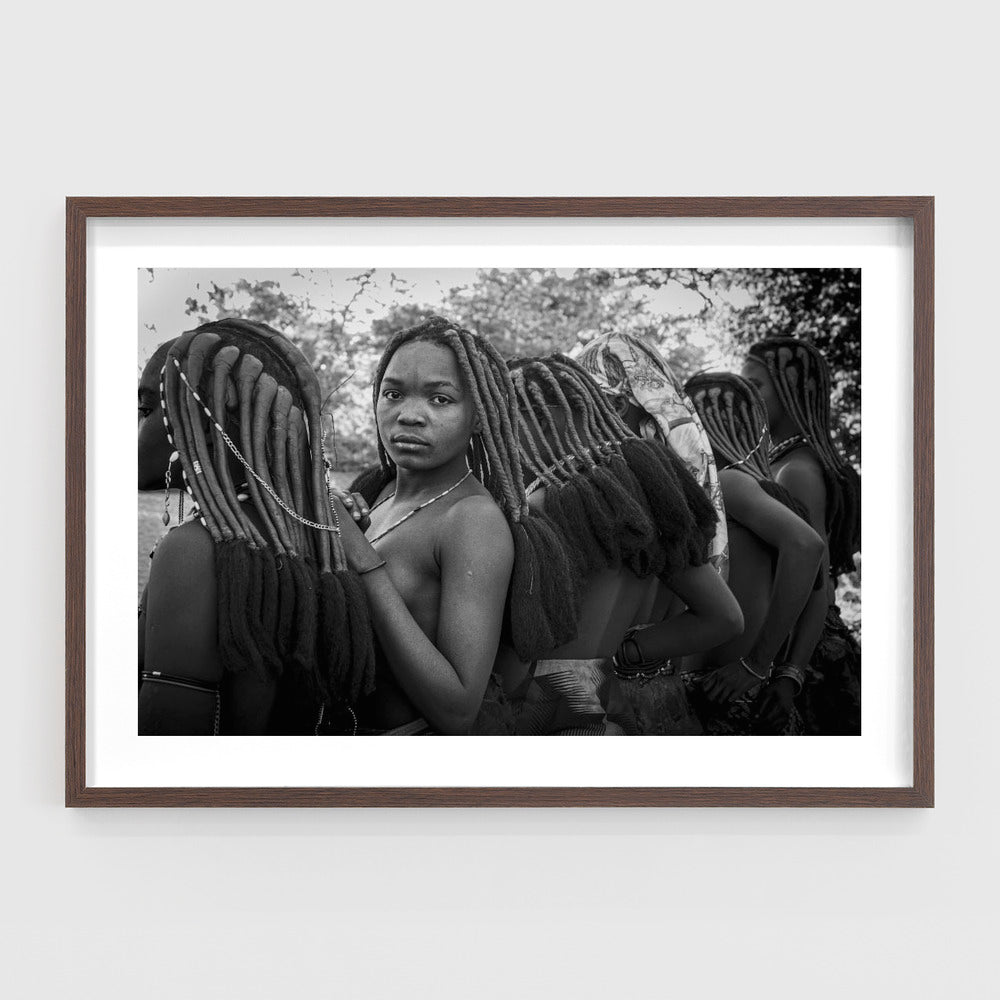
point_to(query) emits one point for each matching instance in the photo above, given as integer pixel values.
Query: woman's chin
(413, 461)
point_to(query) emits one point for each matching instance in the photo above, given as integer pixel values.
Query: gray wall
(118, 98)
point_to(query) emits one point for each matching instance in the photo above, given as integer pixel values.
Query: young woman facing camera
(449, 525)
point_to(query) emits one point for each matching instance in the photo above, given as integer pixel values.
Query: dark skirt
(831, 700)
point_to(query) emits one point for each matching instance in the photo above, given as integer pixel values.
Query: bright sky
(162, 295)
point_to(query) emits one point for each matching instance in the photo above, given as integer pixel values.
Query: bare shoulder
(184, 555)
(738, 489)
(477, 520)
(802, 461)
(802, 476)
(801, 469)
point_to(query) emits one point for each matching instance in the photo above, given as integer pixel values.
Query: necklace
(782, 448)
(426, 503)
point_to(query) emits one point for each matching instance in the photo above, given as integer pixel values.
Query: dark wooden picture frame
(919, 210)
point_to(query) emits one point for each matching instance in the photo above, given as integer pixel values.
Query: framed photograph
(492, 468)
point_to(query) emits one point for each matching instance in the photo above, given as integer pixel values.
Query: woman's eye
(144, 411)
(390, 394)
(440, 399)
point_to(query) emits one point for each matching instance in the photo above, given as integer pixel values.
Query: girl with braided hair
(251, 621)
(630, 514)
(774, 556)
(794, 381)
(450, 530)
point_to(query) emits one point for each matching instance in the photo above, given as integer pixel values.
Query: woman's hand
(361, 556)
(727, 683)
(775, 705)
(355, 505)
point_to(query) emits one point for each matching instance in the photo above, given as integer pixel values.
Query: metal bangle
(371, 569)
(630, 659)
(793, 673)
(750, 670)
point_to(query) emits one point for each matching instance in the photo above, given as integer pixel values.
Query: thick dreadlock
(616, 498)
(288, 605)
(735, 419)
(541, 602)
(801, 379)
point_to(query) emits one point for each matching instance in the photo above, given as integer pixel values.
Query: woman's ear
(477, 425)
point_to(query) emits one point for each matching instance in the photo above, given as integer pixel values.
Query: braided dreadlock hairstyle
(735, 419)
(733, 415)
(801, 379)
(288, 605)
(541, 602)
(616, 498)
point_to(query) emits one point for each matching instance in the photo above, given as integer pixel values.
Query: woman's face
(425, 415)
(756, 373)
(154, 448)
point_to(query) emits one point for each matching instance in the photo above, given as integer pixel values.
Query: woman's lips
(405, 441)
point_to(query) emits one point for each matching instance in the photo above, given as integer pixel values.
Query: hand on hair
(727, 683)
(775, 705)
(361, 556)
(356, 506)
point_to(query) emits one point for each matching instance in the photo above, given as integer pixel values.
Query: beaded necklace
(406, 517)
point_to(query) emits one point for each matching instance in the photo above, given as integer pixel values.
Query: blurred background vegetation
(696, 318)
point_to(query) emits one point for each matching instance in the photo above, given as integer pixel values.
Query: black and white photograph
(499, 501)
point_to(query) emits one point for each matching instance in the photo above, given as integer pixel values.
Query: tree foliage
(692, 316)
(821, 305)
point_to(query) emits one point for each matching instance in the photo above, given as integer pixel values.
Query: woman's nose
(410, 413)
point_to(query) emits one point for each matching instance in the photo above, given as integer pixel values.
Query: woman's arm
(803, 478)
(142, 630)
(180, 635)
(712, 617)
(446, 680)
(799, 549)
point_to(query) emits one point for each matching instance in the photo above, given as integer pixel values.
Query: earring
(166, 489)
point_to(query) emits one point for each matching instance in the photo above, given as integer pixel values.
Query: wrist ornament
(371, 569)
(750, 670)
(630, 664)
(793, 673)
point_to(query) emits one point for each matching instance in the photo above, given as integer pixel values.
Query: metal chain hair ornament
(334, 528)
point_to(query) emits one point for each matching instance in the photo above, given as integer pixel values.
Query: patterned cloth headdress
(623, 365)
